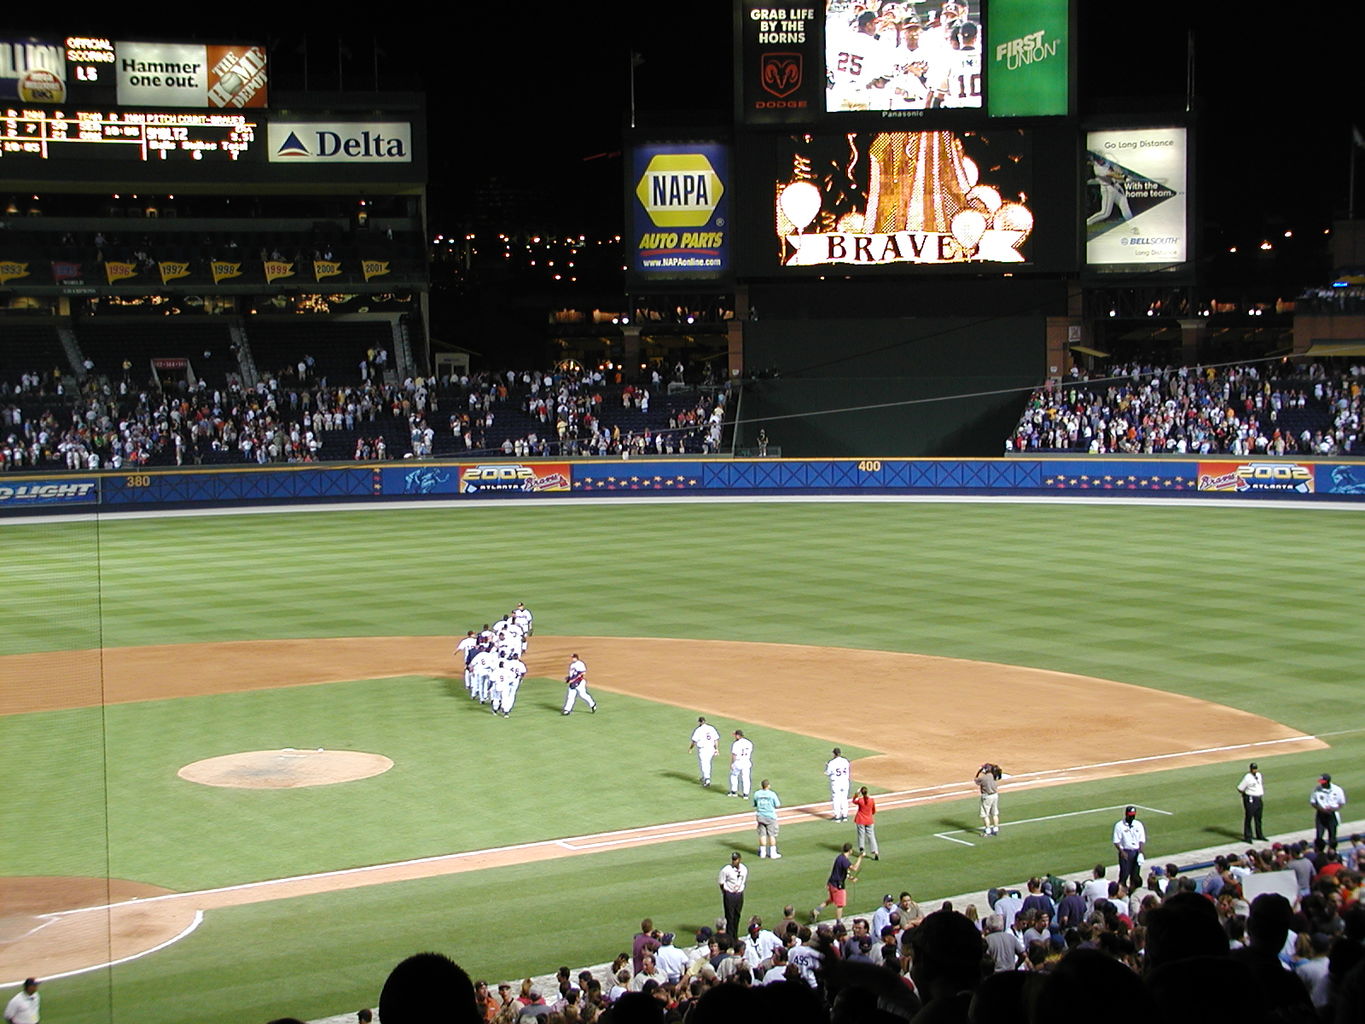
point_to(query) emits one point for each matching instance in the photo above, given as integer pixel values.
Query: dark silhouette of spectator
(947, 966)
(428, 988)
(638, 1008)
(1085, 980)
(1185, 926)
(1281, 991)
(1206, 990)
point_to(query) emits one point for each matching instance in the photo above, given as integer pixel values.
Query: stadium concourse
(1320, 944)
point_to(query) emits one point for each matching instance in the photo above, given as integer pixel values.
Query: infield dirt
(53, 925)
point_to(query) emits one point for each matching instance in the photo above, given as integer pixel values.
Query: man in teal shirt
(766, 804)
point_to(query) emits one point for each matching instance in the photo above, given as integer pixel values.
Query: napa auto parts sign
(680, 218)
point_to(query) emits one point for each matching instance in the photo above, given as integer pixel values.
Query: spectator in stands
(425, 987)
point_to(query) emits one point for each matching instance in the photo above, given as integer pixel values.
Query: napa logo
(679, 190)
(346, 142)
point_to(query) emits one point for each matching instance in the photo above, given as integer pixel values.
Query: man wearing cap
(733, 877)
(759, 943)
(741, 764)
(1252, 788)
(670, 959)
(1130, 838)
(881, 917)
(838, 771)
(23, 1008)
(576, 684)
(705, 741)
(1327, 800)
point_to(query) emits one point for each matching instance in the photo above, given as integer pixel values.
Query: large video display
(1135, 198)
(879, 61)
(104, 72)
(891, 57)
(879, 199)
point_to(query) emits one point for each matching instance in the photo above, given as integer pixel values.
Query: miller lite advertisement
(782, 63)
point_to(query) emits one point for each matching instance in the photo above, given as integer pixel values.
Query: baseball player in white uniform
(465, 650)
(741, 764)
(483, 666)
(503, 695)
(516, 669)
(522, 617)
(576, 679)
(705, 741)
(839, 772)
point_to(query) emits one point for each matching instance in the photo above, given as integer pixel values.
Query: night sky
(536, 95)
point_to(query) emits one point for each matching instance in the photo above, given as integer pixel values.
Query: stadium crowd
(290, 415)
(1186, 945)
(1279, 408)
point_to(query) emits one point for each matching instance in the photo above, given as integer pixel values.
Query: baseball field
(243, 778)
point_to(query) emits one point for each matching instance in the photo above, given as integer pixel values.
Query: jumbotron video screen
(900, 56)
(871, 199)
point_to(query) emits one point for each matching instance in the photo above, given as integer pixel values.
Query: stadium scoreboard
(952, 62)
(93, 72)
(37, 135)
(904, 137)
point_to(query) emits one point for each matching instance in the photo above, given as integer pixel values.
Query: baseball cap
(1130, 809)
(735, 855)
(1325, 778)
(1255, 766)
(668, 937)
(888, 898)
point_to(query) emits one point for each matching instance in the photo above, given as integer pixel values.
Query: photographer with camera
(987, 780)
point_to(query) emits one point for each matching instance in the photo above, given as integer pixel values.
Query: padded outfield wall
(1325, 479)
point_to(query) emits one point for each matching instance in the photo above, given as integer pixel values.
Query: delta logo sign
(340, 142)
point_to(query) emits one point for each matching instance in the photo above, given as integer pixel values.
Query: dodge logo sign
(781, 73)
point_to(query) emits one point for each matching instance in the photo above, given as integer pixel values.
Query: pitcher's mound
(285, 769)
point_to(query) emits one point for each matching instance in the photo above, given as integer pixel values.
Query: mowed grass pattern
(1256, 607)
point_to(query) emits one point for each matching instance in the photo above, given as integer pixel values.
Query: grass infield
(1248, 606)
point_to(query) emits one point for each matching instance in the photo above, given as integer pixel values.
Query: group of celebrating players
(884, 55)
(493, 665)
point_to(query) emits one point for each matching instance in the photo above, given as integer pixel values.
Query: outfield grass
(1248, 606)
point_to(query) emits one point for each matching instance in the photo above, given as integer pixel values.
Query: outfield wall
(1328, 480)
